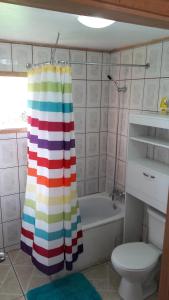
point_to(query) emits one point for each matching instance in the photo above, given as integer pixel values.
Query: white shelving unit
(147, 180)
(151, 141)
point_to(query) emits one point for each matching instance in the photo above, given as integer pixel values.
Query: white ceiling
(36, 25)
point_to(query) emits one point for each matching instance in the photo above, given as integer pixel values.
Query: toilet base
(133, 291)
(149, 289)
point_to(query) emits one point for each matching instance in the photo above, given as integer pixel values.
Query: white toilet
(138, 262)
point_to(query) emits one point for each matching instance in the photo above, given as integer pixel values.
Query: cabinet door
(148, 185)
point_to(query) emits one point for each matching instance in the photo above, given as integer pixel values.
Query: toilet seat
(135, 256)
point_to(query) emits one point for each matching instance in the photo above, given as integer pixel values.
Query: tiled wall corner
(145, 88)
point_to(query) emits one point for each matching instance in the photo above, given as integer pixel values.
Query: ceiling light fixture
(94, 22)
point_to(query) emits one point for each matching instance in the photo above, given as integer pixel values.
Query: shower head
(109, 77)
(119, 89)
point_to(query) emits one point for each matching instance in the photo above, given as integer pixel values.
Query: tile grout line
(23, 294)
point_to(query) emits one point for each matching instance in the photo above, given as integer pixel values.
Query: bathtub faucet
(116, 195)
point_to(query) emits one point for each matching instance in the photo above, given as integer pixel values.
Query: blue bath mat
(72, 287)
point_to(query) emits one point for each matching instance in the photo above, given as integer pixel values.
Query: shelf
(151, 141)
(157, 120)
(151, 164)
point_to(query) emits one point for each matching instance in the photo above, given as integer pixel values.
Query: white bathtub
(102, 228)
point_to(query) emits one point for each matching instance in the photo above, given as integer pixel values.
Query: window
(13, 97)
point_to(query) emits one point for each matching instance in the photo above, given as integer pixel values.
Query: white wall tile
(139, 57)
(104, 119)
(92, 186)
(92, 167)
(106, 69)
(165, 60)
(10, 206)
(102, 165)
(112, 119)
(113, 95)
(62, 54)
(110, 168)
(93, 93)
(161, 155)
(80, 144)
(151, 91)
(123, 122)
(22, 151)
(111, 144)
(8, 153)
(79, 93)
(92, 119)
(21, 135)
(92, 144)
(9, 183)
(125, 97)
(126, 58)
(79, 116)
(80, 169)
(5, 57)
(41, 54)
(22, 178)
(81, 188)
(1, 237)
(21, 55)
(164, 89)
(115, 70)
(109, 185)
(11, 232)
(102, 184)
(121, 172)
(154, 55)
(105, 94)
(22, 201)
(7, 136)
(122, 148)
(78, 71)
(103, 142)
(137, 90)
(94, 72)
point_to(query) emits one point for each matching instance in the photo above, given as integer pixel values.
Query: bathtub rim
(116, 217)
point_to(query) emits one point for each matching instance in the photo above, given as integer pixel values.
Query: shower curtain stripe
(51, 224)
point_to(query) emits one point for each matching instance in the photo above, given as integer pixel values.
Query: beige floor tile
(10, 285)
(4, 270)
(113, 279)
(97, 272)
(36, 282)
(11, 297)
(109, 295)
(18, 257)
(24, 274)
(29, 277)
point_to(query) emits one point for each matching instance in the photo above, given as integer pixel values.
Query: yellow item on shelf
(164, 105)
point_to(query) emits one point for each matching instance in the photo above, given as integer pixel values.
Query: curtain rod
(147, 65)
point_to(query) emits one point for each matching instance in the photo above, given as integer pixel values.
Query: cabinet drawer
(148, 185)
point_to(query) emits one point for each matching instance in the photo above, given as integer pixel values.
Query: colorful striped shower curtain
(51, 225)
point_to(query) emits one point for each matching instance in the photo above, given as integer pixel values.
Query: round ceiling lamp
(94, 22)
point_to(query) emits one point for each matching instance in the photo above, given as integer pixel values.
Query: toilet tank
(156, 228)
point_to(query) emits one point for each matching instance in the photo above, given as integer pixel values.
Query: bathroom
(102, 129)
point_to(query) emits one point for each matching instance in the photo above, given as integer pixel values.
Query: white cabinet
(147, 184)
(147, 179)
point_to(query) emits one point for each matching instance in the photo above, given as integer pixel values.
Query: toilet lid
(135, 256)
